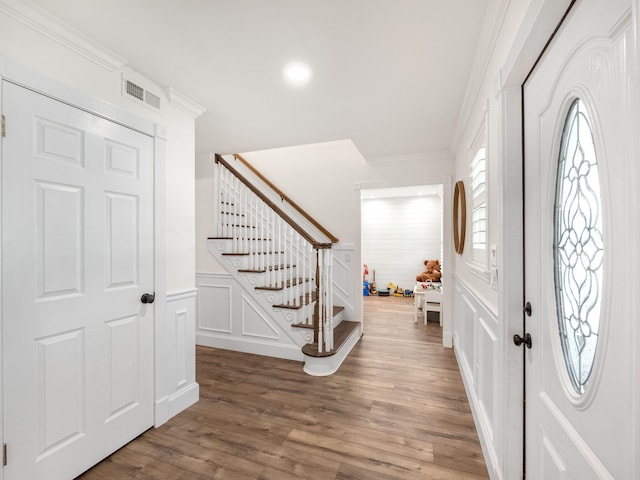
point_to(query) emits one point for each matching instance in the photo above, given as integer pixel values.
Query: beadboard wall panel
(398, 234)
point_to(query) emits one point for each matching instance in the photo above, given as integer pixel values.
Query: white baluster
(234, 210)
(223, 200)
(219, 207)
(296, 298)
(320, 306)
(263, 234)
(280, 249)
(274, 250)
(312, 275)
(291, 271)
(329, 290)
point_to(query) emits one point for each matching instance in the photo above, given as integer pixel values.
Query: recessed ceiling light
(297, 73)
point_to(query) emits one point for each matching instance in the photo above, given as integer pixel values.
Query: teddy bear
(431, 273)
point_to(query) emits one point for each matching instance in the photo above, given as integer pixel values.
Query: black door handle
(148, 298)
(526, 340)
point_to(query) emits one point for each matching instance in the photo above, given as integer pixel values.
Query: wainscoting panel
(214, 298)
(344, 271)
(464, 314)
(254, 323)
(180, 324)
(229, 318)
(475, 327)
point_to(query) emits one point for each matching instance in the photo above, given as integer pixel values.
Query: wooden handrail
(286, 198)
(273, 206)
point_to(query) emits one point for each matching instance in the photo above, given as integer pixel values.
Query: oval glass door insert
(578, 246)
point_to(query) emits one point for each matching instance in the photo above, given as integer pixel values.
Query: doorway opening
(401, 228)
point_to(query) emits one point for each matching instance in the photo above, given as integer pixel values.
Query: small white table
(423, 295)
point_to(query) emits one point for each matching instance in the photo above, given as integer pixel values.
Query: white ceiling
(388, 74)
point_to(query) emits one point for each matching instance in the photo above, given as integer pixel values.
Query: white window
(479, 202)
(479, 205)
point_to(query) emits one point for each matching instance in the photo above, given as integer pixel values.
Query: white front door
(580, 216)
(77, 250)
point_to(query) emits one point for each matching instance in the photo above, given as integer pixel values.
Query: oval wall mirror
(459, 216)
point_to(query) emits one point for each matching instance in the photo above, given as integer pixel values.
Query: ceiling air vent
(152, 99)
(134, 90)
(138, 93)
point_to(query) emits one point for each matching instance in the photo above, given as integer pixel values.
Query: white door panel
(77, 243)
(578, 418)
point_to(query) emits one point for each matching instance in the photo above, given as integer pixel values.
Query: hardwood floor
(396, 409)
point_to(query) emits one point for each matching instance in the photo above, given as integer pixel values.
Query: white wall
(75, 66)
(486, 314)
(398, 234)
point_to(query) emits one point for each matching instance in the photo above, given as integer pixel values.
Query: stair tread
(251, 239)
(289, 283)
(303, 301)
(249, 253)
(264, 270)
(340, 335)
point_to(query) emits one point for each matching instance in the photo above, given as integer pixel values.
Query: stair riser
(303, 312)
(253, 262)
(252, 245)
(294, 317)
(278, 297)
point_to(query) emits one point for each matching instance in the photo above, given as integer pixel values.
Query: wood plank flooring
(396, 409)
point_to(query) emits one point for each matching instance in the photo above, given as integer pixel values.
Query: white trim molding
(44, 85)
(47, 24)
(446, 155)
(184, 103)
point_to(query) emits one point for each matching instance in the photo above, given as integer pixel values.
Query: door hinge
(4, 454)
(4, 127)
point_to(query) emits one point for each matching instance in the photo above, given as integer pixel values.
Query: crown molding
(50, 26)
(184, 103)
(493, 23)
(413, 157)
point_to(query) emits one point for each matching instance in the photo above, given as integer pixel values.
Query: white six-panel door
(581, 408)
(77, 223)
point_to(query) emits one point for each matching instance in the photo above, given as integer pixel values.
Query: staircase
(283, 259)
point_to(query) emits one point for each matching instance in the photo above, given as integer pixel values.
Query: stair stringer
(284, 318)
(265, 298)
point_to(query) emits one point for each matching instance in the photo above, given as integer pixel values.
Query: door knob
(148, 298)
(526, 340)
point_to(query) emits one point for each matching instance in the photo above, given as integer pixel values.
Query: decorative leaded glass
(578, 246)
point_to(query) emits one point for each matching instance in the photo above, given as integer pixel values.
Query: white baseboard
(288, 352)
(183, 399)
(480, 420)
(161, 412)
